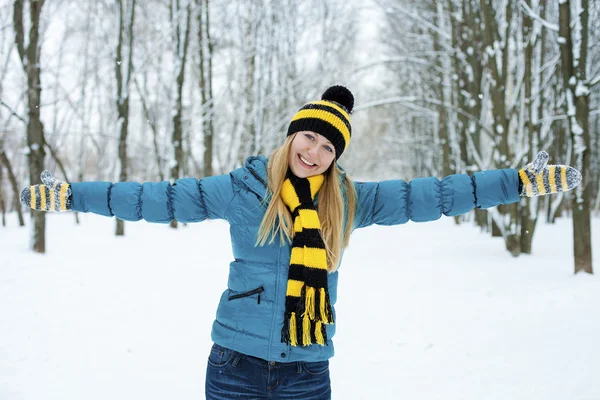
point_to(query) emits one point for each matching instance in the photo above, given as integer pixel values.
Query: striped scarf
(307, 307)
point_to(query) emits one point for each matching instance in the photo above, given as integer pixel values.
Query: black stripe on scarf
(308, 238)
(313, 277)
(302, 187)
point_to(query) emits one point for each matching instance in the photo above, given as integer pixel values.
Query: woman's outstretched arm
(427, 199)
(186, 200)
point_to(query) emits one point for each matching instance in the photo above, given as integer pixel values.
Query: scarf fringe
(312, 328)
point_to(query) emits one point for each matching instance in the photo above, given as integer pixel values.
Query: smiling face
(310, 154)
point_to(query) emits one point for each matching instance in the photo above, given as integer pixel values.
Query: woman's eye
(311, 137)
(329, 149)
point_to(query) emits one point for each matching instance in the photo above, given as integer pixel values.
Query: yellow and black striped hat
(329, 117)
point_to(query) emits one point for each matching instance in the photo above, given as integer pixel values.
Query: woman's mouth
(305, 163)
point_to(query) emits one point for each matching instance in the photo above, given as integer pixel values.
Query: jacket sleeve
(426, 199)
(187, 200)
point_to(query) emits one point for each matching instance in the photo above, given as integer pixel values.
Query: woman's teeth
(305, 161)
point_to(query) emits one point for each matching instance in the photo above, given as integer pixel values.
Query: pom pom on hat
(329, 117)
(341, 96)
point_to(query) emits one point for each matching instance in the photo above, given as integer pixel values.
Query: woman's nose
(312, 150)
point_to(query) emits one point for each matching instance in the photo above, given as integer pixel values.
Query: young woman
(291, 217)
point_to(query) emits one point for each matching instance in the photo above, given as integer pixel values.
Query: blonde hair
(336, 213)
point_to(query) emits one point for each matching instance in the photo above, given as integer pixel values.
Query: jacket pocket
(253, 292)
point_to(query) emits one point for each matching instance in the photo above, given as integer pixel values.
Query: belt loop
(236, 360)
(299, 366)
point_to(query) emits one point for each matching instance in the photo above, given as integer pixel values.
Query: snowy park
(470, 133)
(102, 317)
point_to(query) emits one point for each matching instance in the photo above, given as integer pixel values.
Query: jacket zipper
(260, 179)
(258, 291)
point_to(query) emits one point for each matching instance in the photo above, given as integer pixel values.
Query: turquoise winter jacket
(250, 314)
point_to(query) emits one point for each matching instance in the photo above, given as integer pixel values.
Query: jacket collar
(256, 181)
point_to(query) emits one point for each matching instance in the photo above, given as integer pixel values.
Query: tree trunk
(250, 52)
(573, 54)
(181, 47)
(501, 117)
(443, 128)
(529, 206)
(496, 231)
(2, 202)
(596, 168)
(123, 71)
(14, 185)
(30, 60)
(206, 51)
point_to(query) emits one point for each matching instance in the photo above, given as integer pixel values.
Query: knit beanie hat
(329, 117)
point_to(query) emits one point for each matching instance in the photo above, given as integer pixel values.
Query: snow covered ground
(455, 316)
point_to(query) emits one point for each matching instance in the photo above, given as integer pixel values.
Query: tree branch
(18, 26)
(534, 16)
(412, 100)
(13, 112)
(594, 81)
(391, 100)
(414, 60)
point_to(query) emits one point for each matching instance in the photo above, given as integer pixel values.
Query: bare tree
(180, 19)
(29, 54)
(573, 53)
(2, 202)
(151, 118)
(206, 50)
(124, 70)
(529, 206)
(4, 160)
(594, 86)
(444, 88)
(497, 35)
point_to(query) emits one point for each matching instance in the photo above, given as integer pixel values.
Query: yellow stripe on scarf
(288, 193)
(315, 184)
(309, 257)
(308, 219)
(294, 288)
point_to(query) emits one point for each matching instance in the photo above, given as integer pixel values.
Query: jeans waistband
(256, 360)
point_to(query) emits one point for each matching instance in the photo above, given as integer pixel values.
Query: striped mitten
(538, 179)
(53, 195)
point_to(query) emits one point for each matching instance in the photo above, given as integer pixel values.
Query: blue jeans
(233, 375)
